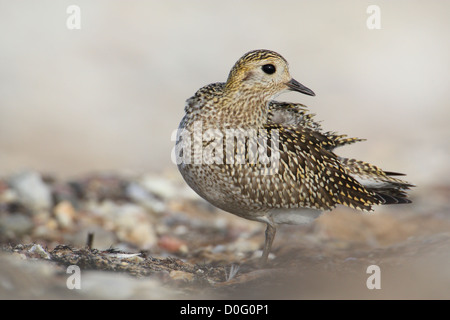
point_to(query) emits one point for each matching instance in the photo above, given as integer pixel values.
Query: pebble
(179, 275)
(172, 244)
(65, 214)
(132, 223)
(37, 249)
(15, 225)
(159, 186)
(9, 196)
(137, 193)
(32, 190)
(142, 235)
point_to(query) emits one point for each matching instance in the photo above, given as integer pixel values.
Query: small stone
(51, 224)
(172, 244)
(15, 224)
(137, 193)
(135, 259)
(37, 249)
(143, 236)
(199, 271)
(32, 190)
(159, 186)
(65, 214)
(9, 196)
(179, 275)
(131, 224)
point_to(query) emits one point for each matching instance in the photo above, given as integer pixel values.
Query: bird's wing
(307, 174)
(318, 172)
(346, 174)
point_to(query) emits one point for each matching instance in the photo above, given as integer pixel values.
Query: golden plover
(269, 161)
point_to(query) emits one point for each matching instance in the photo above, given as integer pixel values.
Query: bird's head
(263, 72)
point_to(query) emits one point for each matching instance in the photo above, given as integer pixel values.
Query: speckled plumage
(308, 175)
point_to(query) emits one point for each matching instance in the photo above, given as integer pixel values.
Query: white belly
(294, 216)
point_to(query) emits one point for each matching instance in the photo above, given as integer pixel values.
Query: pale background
(107, 97)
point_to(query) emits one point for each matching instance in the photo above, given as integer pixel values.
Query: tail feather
(390, 173)
(386, 188)
(390, 196)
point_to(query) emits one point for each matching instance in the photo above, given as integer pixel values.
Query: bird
(270, 161)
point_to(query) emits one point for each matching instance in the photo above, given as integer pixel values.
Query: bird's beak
(294, 85)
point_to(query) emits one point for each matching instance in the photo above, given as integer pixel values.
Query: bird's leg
(270, 235)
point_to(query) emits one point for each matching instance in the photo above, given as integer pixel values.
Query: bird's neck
(246, 110)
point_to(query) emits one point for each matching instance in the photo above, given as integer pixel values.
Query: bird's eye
(268, 68)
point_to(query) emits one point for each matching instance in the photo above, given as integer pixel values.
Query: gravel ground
(150, 237)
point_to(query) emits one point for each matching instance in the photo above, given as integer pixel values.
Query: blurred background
(107, 97)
